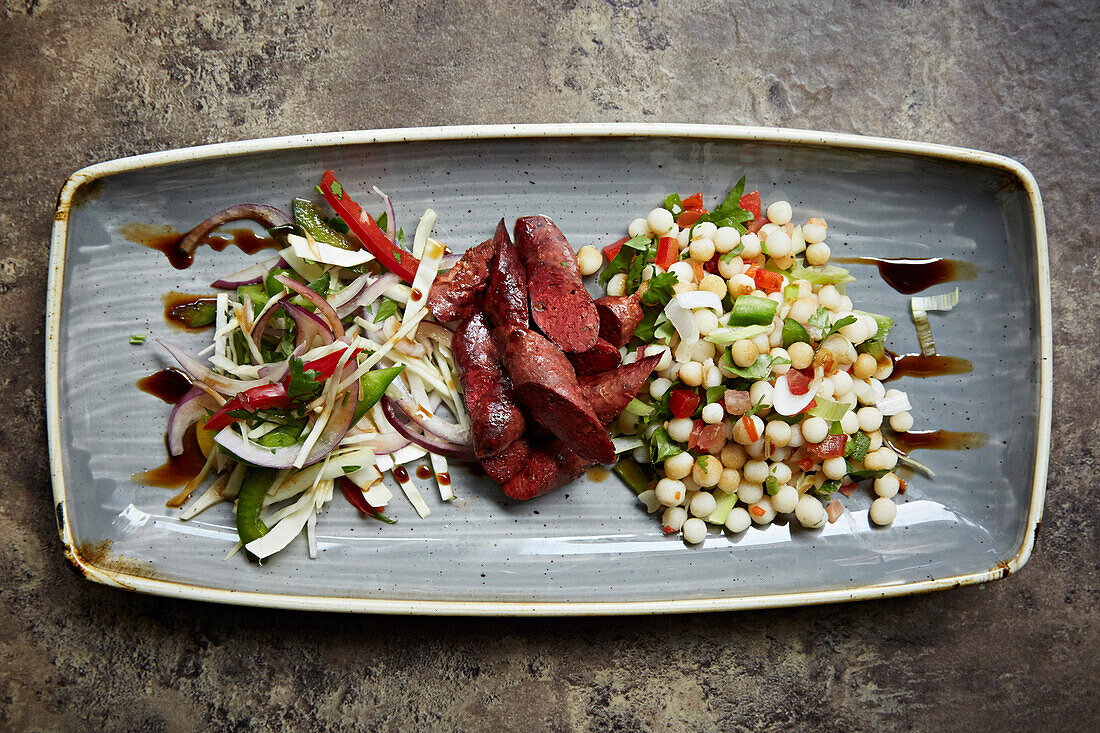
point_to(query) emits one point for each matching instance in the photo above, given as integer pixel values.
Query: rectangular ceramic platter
(589, 548)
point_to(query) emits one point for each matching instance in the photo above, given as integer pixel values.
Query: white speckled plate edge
(141, 584)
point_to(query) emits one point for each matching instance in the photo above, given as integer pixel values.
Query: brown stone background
(82, 82)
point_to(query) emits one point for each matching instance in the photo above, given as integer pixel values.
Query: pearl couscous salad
(768, 396)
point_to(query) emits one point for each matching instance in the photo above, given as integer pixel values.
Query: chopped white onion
(683, 321)
(894, 404)
(699, 299)
(786, 403)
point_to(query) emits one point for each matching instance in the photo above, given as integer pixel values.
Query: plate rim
(101, 573)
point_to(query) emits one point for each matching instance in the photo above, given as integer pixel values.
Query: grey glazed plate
(589, 548)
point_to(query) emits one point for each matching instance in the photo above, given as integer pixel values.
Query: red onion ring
(260, 325)
(344, 301)
(251, 275)
(373, 291)
(391, 220)
(323, 307)
(187, 411)
(268, 216)
(448, 431)
(428, 441)
(308, 324)
(224, 385)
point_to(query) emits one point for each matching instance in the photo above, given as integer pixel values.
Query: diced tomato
(831, 447)
(847, 487)
(696, 429)
(806, 463)
(689, 216)
(258, 398)
(683, 403)
(668, 252)
(798, 380)
(901, 485)
(750, 202)
(711, 265)
(750, 428)
(326, 365)
(611, 250)
(709, 437)
(766, 280)
(737, 401)
(697, 268)
(755, 225)
(694, 201)
(807, 408)
(757, 510)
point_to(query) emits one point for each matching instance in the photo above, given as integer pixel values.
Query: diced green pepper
(372, 386)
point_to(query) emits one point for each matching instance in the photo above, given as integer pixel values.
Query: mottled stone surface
(88, 81)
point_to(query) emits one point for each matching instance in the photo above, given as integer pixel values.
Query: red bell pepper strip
(362, 225)
(326, 365)
(831, 447)
(694, 201)
(766, 280)
(258, 398)
(750, 202)
(756, 225)
(355, 497)
(613, 249)
(750, 428)
(668, 252)
(683, 402)
(689, 216)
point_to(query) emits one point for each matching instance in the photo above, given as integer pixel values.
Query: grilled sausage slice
(619, 318)
(549, 466)
(547, 386)
(495, 417)
(599, 358)
(609, 392)
(456, 293)
(506, 297)
(560, 306)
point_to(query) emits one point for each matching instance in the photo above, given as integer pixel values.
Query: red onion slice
(322, 305)
(338, 424)
(428, 441)
(309, 325)
(268, 216)
(436, 332)
(186, 413)
(251, 275)
(260, 325)
(344, 301)
(372, 292)
(448, 431)
(224, 385)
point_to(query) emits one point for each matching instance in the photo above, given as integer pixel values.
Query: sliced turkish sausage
(549, 466)
(599, 358)
(619, 318)
(547, 386)
(508, 463)
(456, 293)
(560, 305)
(495, 418)
(609, 392)
(506, 296)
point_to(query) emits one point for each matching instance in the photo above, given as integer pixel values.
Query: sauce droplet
(416, 294)
(597, 474)
(935, 440)
(444, 479)
(910, 276)
(423, 472)
(401, 474)
(166, 240)
(177, 470)
(169, 385)
(919, 365)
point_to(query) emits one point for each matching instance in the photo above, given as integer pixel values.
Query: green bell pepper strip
(749, 310)
(250, 501)
(372, 386)
(633, 474)
(309, 219)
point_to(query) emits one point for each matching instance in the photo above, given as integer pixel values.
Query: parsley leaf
(661, 447)
(661, 289)
(735, 252)
(645, 329)
(674, 203)
(350, 469)
(794, 332)
(729, 213)
(845, 321)
(320, 285)
(827, 489)
(337, 189)
(624, 258)
(716, 394)
(820, 319)
(857, 446)
(386, 308)
(303, 384)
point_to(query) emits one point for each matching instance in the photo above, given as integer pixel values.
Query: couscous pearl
(738, 520)
(702, 351)
(865, 367)
(658, 387)
(741, 284)
(778, 432)
(756, 450)
(762, 512)
(616, 286)
(691, 374)
(740, 434)
(695, 531)
(785, 500)
(731, 268)
(707, 471)
(809, 512)
(802, 309)
(638, 228)
(834, 468)
(755, 472)
(797, 441)
(670, 492)
(705, 320)
(729, 481)
(766, 231)
(901, 422)
(702, 504)
(660, 221)
(674, 518)
(749, 493)
(679, 465)
(814, 233)
(683, 270)
(589, 260)
(814, 429)
(842, 383)
(818, 254)
(705, 229)
(829, 297)
(849, 423)
(778, 244)
(876, 440)
(779, 212)
(712, 283)
(825, 388)
(881, 459)
(781, 471)
(733, 456)
(883, 510)
(725, 239)
(680, 429)
(701, 249)
(870, 419)
(751, 243)
(887, 486)
(713, 413)
(761, 393)
(712, 377)
(762, 344)
(744, 352)
(801, 354)
(779, 354)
